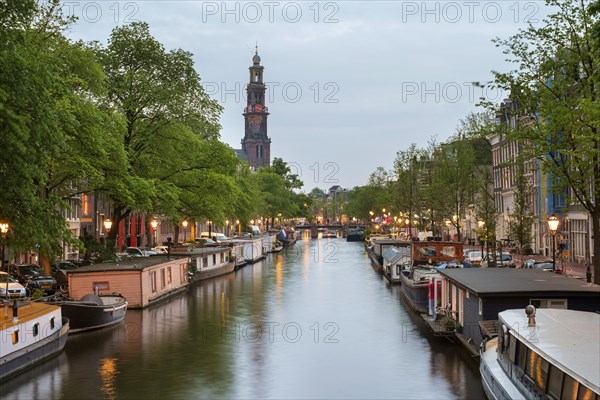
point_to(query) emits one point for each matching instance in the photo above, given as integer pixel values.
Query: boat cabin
(544, 353)
(142, 281)
(207, 262)
(395, 259)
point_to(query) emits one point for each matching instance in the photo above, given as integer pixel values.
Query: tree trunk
(596, 243)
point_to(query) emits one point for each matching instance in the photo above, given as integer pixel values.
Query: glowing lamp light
(107, 224)
(553, 223)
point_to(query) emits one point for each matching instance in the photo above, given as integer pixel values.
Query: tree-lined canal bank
(315, 321)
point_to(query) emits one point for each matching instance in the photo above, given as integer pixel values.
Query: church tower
(256, 145)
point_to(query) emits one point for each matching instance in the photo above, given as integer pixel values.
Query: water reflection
(314, 321)
(108, 373)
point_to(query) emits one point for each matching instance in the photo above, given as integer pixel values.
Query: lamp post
(481, 224)
(154, 225)
(3, 230)
(553, 223)
(107, 225)
(184, 223)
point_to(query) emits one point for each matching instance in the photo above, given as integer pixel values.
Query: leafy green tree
(408, 193)
(56, 139)
(521, 216)
(177, 167)
(556, 84)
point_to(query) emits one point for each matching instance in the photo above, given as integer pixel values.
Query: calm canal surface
(314, 321)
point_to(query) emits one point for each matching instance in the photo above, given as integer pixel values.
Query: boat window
(569, 389)
(97, 286)
(15, 337)
(537, 369)
(555, 379)
(169, 277)
(448, 251)
(36, 329)
(214, 259)
(153, 280)
(162, 278)
(204, 262)
(183, 274)
(522, 356)
(52, 323)
(512, 349)
(222, 257)
(585, 393)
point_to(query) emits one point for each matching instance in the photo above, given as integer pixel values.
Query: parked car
(149, 251)
(60, 272)
(474, 256)
(502, 260)
(15, 289)
(161, 249)
(135, 252)
(32, 276)
(544, 265)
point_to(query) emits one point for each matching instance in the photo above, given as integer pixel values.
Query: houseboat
(327, 234)
(379, 245)
(395, 259)
(209, 262)
(475, 296)
(31, 333)
(542, 354)
(143, 281)
(354, 235)
(92, 311)
(250, 250)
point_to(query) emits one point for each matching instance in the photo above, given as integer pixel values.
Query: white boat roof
(566, 338)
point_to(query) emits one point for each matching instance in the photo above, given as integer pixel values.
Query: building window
(15, 337)
(153, 280)
(549, 303)
(85, 205)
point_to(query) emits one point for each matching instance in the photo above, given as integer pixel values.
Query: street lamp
(481, 224)
(184, 223)
(553, 223)
(154, 225)
(107, 225)
(4, 230)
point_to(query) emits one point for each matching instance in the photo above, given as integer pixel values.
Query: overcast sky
(350, 83)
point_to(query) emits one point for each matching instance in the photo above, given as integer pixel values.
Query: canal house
(142, 281)
(208, 262)
(475, 296)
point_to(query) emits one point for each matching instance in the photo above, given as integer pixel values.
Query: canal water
(314, 321)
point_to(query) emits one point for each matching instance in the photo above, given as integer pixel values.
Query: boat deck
(26, 311)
